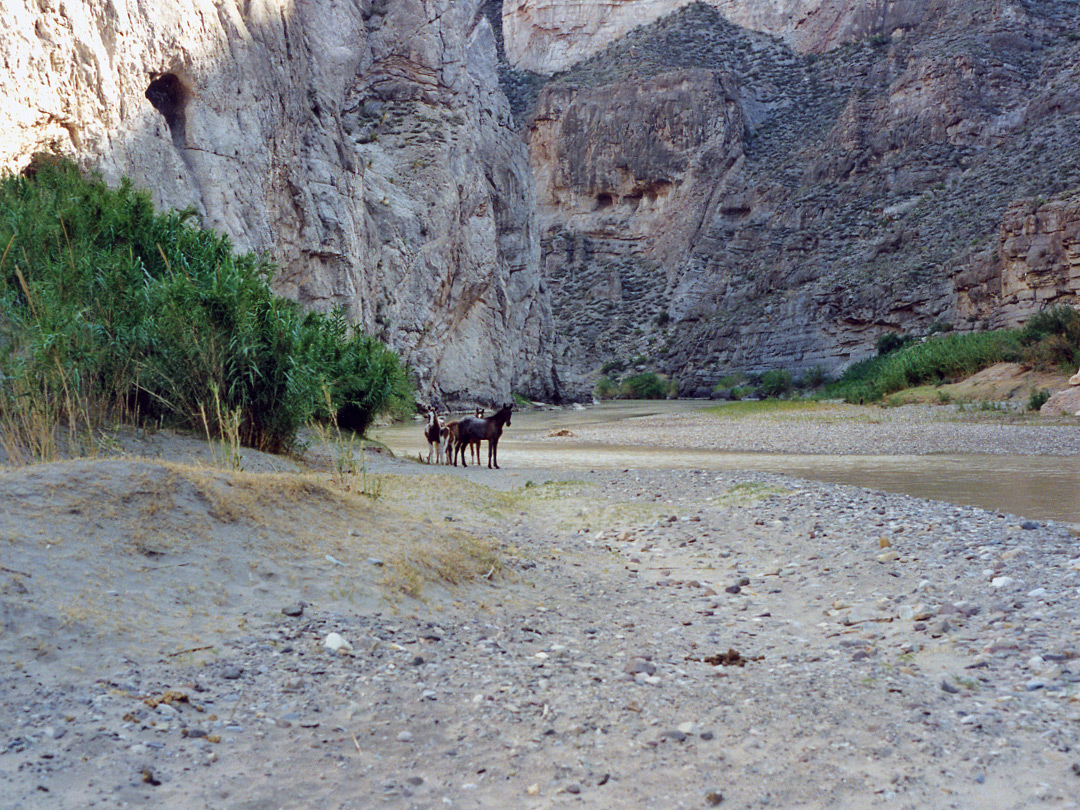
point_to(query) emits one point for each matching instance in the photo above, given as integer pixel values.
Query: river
(1041, 487)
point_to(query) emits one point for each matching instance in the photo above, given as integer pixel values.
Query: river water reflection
(1038, 487)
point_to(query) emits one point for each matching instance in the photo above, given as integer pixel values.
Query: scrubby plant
(776, 383)
(814, 377)
(1051, 338)
(646, 385)
(606, 388)
(938, 327)
(729, 381)
(891, 342)
(111, 311)
(1037, 399)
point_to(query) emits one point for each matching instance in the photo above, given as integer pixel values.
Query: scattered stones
(579, 676)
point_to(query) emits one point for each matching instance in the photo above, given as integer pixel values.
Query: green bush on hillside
(606, 388)
(646, 385)
(115, 311)
(776, 383)
(1050, 339)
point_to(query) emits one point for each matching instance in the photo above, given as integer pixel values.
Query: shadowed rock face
(883, 186)
(623, 174)
(365, 144)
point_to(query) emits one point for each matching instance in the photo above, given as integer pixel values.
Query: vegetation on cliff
(112, 312)
(1050, 339)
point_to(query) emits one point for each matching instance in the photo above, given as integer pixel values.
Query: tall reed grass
(111, 312)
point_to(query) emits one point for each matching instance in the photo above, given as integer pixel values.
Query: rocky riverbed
(636, 638)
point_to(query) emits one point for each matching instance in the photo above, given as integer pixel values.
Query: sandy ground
(529, 639)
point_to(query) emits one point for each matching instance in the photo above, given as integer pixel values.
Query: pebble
(336, 643)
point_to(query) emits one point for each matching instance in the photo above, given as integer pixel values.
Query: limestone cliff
(722, 185)
(365, 144)
(548, 36)
(877, 187)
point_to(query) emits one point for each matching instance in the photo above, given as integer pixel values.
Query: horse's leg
(460, 448)
(493, 453)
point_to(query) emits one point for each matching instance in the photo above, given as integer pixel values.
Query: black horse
(471, 429)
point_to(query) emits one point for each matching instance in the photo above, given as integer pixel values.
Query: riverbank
(990, 458)
(525, 637)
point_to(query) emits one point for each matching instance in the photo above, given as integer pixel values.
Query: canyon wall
(366, 145)
(887, 186)
(731, 186)
(549, 36)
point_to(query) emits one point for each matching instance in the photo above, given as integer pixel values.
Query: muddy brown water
(1036, 487)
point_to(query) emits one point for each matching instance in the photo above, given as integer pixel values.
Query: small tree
(776, 383)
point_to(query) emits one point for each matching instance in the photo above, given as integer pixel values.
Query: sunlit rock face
(547, 36)
(1040, 251)
(365, 145)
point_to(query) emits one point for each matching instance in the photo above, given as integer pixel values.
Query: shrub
(606, 388)
(729, 381)
(1051, 338)
(891, 342)
(939, 326)
(1037, 399)
(119, 312)
(646, 385)
(776, 383)
(814, 377)
(357, 376)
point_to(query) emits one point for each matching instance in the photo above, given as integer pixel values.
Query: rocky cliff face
(365, 144)
(734, 186)
(548, 36)
(1039, 245)
(873, 188)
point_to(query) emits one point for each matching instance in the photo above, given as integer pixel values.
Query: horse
(472, 429)
(433, 433)
(475, 445)
(449, 435)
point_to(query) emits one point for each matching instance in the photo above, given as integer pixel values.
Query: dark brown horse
(472, 429)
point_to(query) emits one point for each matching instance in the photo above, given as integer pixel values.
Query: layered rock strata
(365, 145)
(548, 36)
(851, 194)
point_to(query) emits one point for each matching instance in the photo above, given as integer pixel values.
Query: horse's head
(505, 411)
